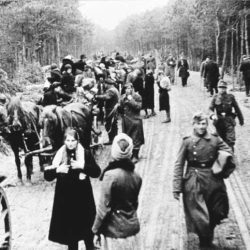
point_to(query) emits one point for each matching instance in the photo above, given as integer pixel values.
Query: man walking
(223, 110)
(204, 194)
(211, 75)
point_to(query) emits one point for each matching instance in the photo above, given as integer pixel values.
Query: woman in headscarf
(132, 125)
(164, 87)
(116, 217)
(74, 207)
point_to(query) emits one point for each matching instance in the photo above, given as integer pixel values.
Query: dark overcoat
(74, 207)
(131, 121)
(148, 97)
(204, 195)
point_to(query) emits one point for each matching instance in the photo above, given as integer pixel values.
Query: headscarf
(116, 152)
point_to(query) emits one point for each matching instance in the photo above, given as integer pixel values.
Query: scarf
(116, 152)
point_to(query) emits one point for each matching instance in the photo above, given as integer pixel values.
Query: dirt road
(162, 222)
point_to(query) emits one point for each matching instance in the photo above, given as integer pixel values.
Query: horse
(21, 130)
(55, 120)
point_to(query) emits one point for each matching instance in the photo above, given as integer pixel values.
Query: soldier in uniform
(111, 99)
(204, 194)
(223, 110)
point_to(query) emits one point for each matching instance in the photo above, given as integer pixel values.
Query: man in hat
(204, 195)
(111, 99)
(223, 110)
(245, 69)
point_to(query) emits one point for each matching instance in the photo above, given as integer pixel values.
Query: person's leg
(73, 245)
(153, 112)
(89, 241)
(183, 82)
(247, 84)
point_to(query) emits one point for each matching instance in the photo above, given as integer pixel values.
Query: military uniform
(204, 195)
(227, 109)
(110, 98)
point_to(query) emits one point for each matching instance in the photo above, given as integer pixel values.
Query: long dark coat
(204, 195)
(74, 207)
(131, 121)
(211, 73)
(148, 97)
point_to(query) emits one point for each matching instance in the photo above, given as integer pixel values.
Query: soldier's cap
(199, 116)
(109, 81)
(222, 84)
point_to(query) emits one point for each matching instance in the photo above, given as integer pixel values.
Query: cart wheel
(5, 223)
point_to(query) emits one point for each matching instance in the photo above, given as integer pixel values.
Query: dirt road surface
(161, 217)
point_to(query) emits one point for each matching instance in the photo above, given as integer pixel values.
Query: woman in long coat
(164, 87)
(130, 106)
(149, 93)
(74, 207)
(183, 71)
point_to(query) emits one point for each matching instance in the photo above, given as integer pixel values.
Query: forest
(43, 31)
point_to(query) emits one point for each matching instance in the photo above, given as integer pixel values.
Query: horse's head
(15, 115)
(49, 124)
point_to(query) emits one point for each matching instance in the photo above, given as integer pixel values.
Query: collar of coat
(125, 164)
(206, 136)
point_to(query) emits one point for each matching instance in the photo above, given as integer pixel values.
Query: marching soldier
(204, 194)
(223, 110)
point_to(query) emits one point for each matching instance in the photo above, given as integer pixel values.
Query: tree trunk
(237, 45)
(217, 37)
(23, 46)
(242, 37)
(246, 33)
(58, 48)
(225, 51)
(232, 56)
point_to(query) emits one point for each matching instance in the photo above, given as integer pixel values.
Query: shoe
(153, 114)
(166, 121)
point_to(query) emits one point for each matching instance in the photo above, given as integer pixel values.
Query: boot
(168, 118)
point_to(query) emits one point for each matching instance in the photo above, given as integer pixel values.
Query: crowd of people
(117, 88)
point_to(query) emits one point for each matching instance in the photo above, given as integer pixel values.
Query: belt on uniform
(200, 164)
(222, 114)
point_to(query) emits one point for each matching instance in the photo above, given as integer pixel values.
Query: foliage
(30, 73)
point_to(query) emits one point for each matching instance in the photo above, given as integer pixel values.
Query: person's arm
(211, 109)
(135, 103)
(179, 169)
(104, 203)
(91, 168)
(238, 111)
(50, 172)
(106, 96)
